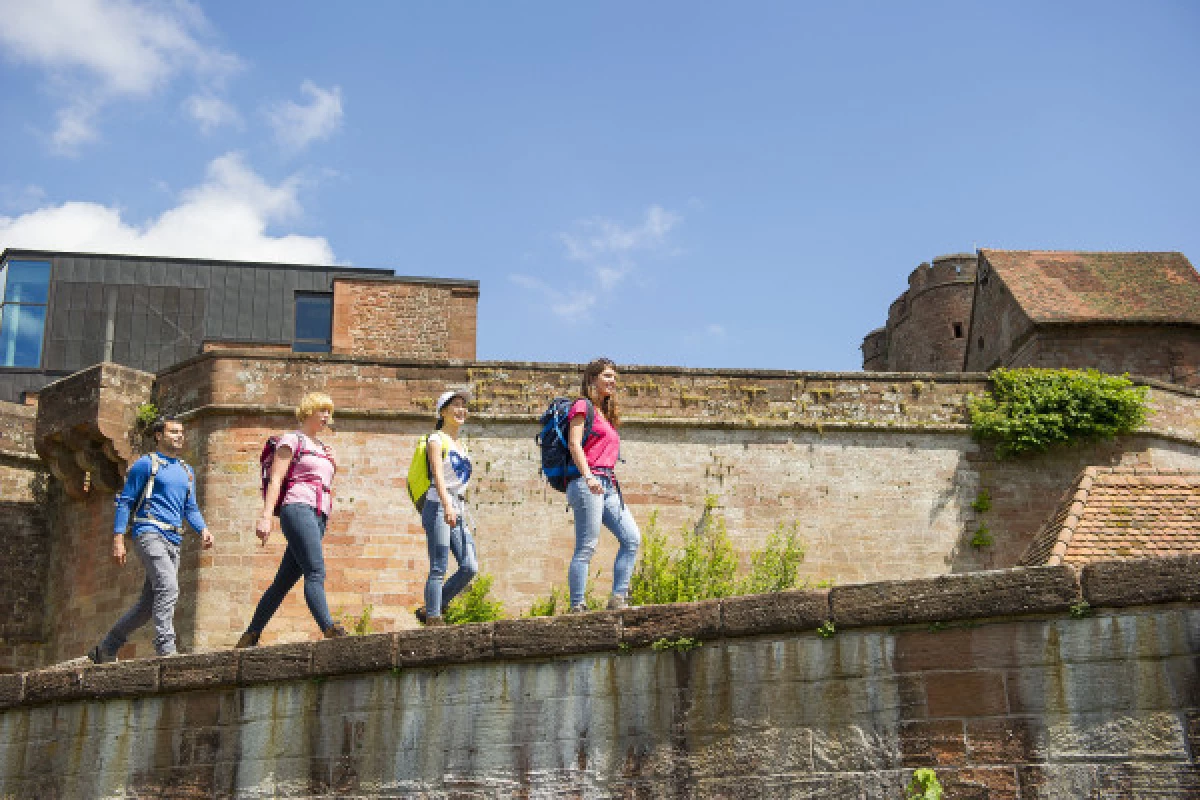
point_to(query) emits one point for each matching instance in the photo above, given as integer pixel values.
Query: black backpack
(557, 465)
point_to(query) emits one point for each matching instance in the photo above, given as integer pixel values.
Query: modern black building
(63, 312)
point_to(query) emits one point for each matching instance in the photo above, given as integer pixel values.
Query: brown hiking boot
(334, 631)
(248, 639)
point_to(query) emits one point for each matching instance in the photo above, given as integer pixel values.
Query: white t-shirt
(456, 466)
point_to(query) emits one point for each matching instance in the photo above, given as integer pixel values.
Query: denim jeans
(592, 510)
(160, 591)
(304, 528)
(443, 541)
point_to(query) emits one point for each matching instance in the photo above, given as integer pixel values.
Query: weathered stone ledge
(997, 594)
(818, 425)
(18, 455)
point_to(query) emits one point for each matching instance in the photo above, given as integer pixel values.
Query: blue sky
(700, 184)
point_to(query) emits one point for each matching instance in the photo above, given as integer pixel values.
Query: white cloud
(606, 249)
(227, 217)
(573, 304)
(99, 50)
(210, 111)
(297, 126)
(598, 237)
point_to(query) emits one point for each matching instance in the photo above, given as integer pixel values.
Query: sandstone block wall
(927, 326)
(404, 318)
(877, 474)
(24, 539)
(1015, 685)
(1168, 354)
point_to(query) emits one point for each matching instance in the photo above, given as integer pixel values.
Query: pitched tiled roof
(1068, 286)
(1122, 512)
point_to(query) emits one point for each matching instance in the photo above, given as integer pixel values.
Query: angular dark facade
(63, 312)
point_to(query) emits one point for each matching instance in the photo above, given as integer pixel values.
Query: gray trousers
(157, 601)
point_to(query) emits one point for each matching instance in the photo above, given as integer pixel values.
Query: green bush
(983, 502)
(558, 601)
(1032, 410)
(706, 566)
(982, 537)
(473, 604)
(924, 786)
(360, 625)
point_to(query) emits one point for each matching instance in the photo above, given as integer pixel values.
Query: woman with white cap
(443, 515)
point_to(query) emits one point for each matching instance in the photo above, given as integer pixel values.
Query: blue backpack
(557, 465)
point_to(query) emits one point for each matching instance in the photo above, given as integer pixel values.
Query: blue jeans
(592, 510)
(160, 591)
(442, 541)
(303, 528)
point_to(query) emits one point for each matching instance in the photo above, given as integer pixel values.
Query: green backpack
(419, 477)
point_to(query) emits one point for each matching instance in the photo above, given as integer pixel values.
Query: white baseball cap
(446, 397)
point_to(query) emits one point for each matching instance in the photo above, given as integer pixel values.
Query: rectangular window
(24, 290)
(314, 323)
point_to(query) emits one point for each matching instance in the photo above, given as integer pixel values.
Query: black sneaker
(98, 656)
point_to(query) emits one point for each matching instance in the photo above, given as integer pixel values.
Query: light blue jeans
(156, 603)
(592, 511)
(442, 541)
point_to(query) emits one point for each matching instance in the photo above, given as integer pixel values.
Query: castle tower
(927, 325)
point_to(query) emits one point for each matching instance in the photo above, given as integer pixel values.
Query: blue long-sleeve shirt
(170, 502)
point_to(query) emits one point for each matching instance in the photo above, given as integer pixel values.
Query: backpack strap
(156, 464)
(148, 487)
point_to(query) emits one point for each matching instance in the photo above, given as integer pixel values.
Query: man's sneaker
(98, 656)
(578, 608)
(335, 631)
(616, 602)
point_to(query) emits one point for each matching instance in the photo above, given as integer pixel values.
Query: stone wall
(24, 539)
(404, 318)
(877, 472)
(1026, 684)
(927, 325)
(1166, 353)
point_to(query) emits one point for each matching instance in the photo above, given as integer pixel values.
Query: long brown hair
(609, 405)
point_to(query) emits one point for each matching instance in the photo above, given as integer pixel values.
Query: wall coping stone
(995, 595)
(1151, 581)
(967, 595)
(632, 421)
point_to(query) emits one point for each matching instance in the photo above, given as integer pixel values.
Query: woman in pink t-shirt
(595, 496)
(307, 501)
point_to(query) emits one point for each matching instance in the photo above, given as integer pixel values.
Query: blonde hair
(313, 402)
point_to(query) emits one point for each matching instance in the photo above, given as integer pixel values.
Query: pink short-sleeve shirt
(604, 445)
(310, 468)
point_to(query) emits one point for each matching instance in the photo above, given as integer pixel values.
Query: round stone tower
(927, 325)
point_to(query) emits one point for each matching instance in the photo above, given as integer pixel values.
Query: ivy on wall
(1033, 410)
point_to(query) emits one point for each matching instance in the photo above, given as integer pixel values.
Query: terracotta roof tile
(1111, 513)
(1069, 286)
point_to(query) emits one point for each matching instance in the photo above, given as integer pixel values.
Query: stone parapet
(240, 382)
(943, 601)
(85, 426)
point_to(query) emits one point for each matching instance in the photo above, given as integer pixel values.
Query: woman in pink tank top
(595, 496)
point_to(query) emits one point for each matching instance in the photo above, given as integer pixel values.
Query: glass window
(27, 282)
(314, 323)
(24, 289)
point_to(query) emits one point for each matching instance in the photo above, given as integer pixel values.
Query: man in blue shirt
(159, 494)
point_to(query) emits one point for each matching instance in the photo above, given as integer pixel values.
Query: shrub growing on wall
(1032, 410)
(706, 566)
